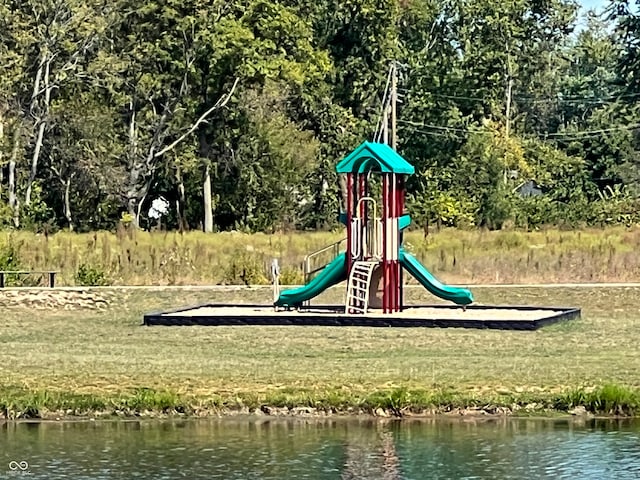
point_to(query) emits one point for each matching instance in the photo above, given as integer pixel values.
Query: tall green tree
(256, 42)
(48, 45)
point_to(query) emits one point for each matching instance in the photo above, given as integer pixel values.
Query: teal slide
(460, 296)
(333, 273)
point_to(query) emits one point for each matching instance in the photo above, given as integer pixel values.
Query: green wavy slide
(459, 296)
(334, 272)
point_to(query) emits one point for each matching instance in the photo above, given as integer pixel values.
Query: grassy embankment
(465, 257)
(80, 362)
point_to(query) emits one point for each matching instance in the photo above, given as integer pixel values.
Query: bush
(495, 208)
(90, 276)
(38, 216)
(442, 209)
(616, 206)
(534, 212)
(9, 257)
(245, 268)
(291, 276)
(10, 260)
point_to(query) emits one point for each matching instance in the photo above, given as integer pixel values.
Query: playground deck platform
(438, 316)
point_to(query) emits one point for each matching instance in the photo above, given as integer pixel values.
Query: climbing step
(358, 288)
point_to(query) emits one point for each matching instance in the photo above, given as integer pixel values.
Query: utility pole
(509, 95)
(394, 102)
(508, 100)
(385, 125)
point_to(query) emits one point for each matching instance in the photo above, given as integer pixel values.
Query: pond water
(261, 448)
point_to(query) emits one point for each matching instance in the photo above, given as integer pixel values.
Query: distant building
(529, 188)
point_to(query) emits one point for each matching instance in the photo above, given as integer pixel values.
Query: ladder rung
(364, 265)
(362, 279)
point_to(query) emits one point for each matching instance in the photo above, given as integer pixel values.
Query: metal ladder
(358, 289)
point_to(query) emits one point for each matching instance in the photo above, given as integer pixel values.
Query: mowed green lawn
(108, 352)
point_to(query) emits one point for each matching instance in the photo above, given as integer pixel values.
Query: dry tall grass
(455, 256)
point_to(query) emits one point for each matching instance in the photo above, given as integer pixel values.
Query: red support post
(361, 194)
(399, 212)
(385, 235)
(403, 194)
(392, 279)
(392, 210)
(349, 212)
(389, 286)
(389, 259)
(361, 211)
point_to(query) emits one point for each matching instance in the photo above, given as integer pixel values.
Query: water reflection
(375, 457)
(323, 449)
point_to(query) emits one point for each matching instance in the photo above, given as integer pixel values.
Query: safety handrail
(356, 237)
(366, 234)
(306, 265)
(367, 199)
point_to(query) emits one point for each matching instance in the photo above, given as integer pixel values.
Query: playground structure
(372, 263)
(375, 218)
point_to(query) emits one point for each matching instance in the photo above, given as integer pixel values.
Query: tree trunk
(14, 204)
(208, 205)
(34, 162)
(180, 202)
(140, 204)
(1, 141)
(42, 124)
(131, 207)
(67, 203)
(134, 169)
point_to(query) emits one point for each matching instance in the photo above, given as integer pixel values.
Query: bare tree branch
(219, 104)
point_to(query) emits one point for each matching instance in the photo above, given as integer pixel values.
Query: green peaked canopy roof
(374, 156)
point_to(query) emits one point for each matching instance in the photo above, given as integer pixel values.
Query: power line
(534, 100)
(438, 134)
(580, 98)
(577, 135)
(438, 127)
(570, 101)
(590, 132)
(452, 97)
